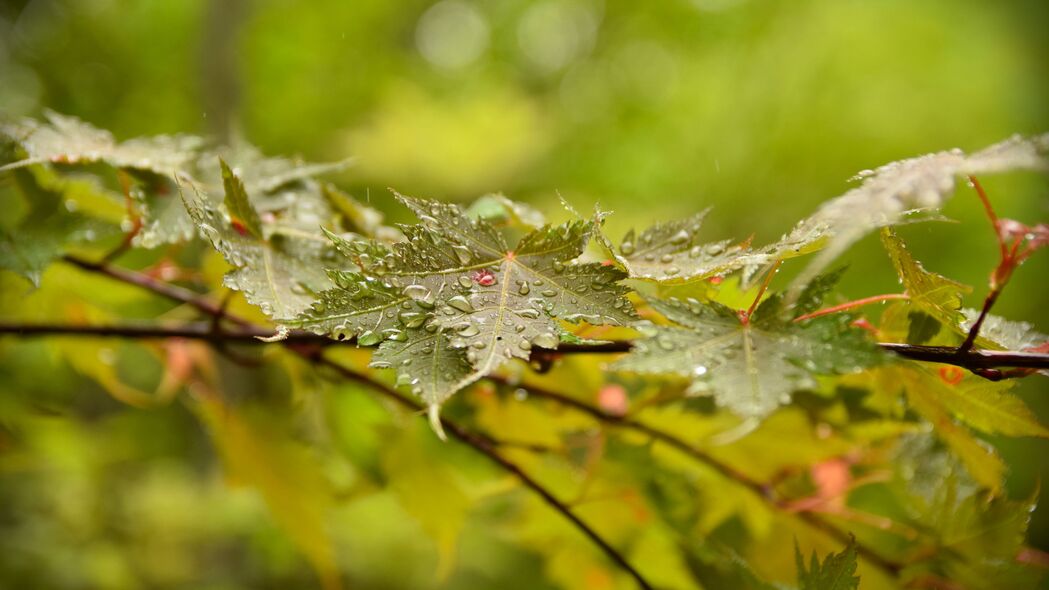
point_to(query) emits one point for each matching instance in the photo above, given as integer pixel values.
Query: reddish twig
(850, 305)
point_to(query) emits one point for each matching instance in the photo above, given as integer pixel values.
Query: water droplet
(549, 293)
(680, 237)
(461, 303)
(368, 338)
(524, 289)
(395, 335)
(411, 319)
(463, 254)
(416, 292)
(468, 330)
(465, 282)
(666, 258)
(546, 340)
(699, 371)
(715, 249)
(627, 248)
(559, 266)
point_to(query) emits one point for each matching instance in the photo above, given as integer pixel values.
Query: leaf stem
(744, 317)
(851, 305)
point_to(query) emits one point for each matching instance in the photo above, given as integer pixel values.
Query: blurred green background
(759, 108)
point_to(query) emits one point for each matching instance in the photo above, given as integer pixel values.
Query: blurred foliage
(141, 464)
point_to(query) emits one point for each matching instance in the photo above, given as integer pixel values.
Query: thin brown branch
(157, 286)
(973, 360)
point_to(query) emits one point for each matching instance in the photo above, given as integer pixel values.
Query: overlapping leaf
(749, 367)
(672, 252)
(1006, 334)
(970, 539)
(42, 234)
(935, 294)
(61, 139)
(276, 271)
(894, 191)
(452, 302)
(837, 571)
(154, 165)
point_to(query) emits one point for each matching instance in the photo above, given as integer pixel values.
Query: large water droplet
(416, 292)
(679, 238)
(546, 340)
(411, 319)
(468, 330)
(627, 248)
(368, 338)
(461, 303)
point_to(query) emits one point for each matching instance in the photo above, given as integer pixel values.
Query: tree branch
(247, 333)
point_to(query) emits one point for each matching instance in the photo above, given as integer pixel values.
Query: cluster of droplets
(670, 251)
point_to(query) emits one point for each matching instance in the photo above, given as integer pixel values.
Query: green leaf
(67, 140)
(1005, 334)
(971, 539)
(43, 233)
(984, 405)
(937, 295)
(498, 209)
(280, 273)
(897, 190)
(456, 303)
(242, 214)
(286, 474)
(751, 368)
(836, 572)
(156, 164)
(672, 253)
(428, 490)
(982, 462)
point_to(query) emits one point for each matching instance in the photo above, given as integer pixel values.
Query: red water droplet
(239, 226)
(483, 277)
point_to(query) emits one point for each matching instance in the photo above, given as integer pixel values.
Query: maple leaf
(1004, 334)
(836, 572)
(750, 367)
(672, 252)
(278, 271)
(62, 139)
(935, 294)
(156, 164)
(48, 226)
(974, 540)
(982, 462)
(452, 302)
(897, 190)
